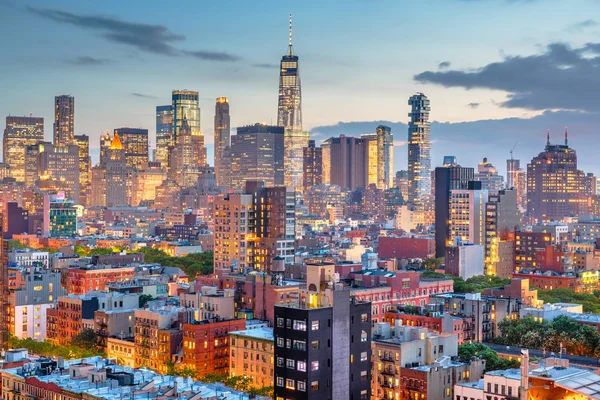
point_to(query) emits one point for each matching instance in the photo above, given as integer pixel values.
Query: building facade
(64, 120)
(19, 133)
(419, 146)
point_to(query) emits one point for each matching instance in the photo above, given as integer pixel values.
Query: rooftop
(256, 333)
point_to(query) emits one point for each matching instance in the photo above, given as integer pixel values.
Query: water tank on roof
(278, 265)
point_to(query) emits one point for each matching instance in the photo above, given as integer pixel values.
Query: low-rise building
(251, 355)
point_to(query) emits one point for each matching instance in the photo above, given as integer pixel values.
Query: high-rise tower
(164, 133)
(222, 140)
(19, 133)
(289, 110)
(289, 116)
(419, 145)
(64, 120)
(186, 107)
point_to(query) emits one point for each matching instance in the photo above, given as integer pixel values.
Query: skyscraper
(487, 174)
(83, 145)
(312, 166)
(289, 116)
(64, 120)
(186, 107)
(447, 179)
(349, 160)
(516, 178)
(294, 142)
(222, 132)
(19, 133)
(289, 109)
(257, 155)
(164, 133)
(116, 173)
(419, 145)
(135, 144)
(58, 168)
(380, 149)
(555, 187)
(4, 292)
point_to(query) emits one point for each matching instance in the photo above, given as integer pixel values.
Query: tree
(467, 351)
(87, 338)
(145, 298)
(192, 264)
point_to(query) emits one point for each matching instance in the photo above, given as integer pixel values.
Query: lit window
(301, 366)
(290, 384)
(314, 366)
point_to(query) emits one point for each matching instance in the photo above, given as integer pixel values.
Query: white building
(27, 258)
(467, 215)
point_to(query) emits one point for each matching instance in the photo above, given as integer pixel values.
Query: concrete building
(222, 141)
(312, 166)
(348, 168)
(36, 292)
(464, 260)
(257, 153)
(482, 314)
(210, 303)
(487, 174)
(315, 338)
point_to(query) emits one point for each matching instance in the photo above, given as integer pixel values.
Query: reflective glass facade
(419, 146)
(64, 120)
(19, 133)
(164, 133)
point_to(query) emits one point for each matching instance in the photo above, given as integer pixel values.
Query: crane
(513, 149)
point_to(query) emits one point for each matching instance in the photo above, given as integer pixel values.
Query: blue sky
(360, 61)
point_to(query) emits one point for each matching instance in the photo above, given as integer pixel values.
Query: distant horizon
(120, 61)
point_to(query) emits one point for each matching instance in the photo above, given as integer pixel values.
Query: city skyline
(108, 65)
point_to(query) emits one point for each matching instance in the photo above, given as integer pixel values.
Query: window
(495, 388)
(363, 356)
(503, 389)
(489, 387)
(288, 343)
(279, 381)
(301, 385)
(299, 345)
(290, 384)
(447, 391)
(419, 352)
(301, 366)
(288, 323)
(315, 345)
(280, 361)
(364, 375)
(315, 325)
(364, 395)
(314, 366)
(290, 363)
(510, 391)
(364, 318)
(314, 385)
(299, 325)
(441, 350)
(37, 288)
(363, 336)
(280, 342)
(280, 322)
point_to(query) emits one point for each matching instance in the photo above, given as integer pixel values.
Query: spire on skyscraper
(290, 45)
(547, 138)
(566, 136)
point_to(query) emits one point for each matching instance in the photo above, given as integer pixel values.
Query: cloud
(444, 65)
(155, 39)
(265, 65)
(561, 78)
(212, 55)
(588, 23)
(473, 105)
(143, 96)
(87, 61)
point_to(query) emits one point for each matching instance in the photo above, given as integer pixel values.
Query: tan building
(210, 303)
(121, 349)
(19, 133)
(145, 183)
(233, 239)
(251, 355)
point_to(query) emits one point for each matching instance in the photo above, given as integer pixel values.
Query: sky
(497, 72)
